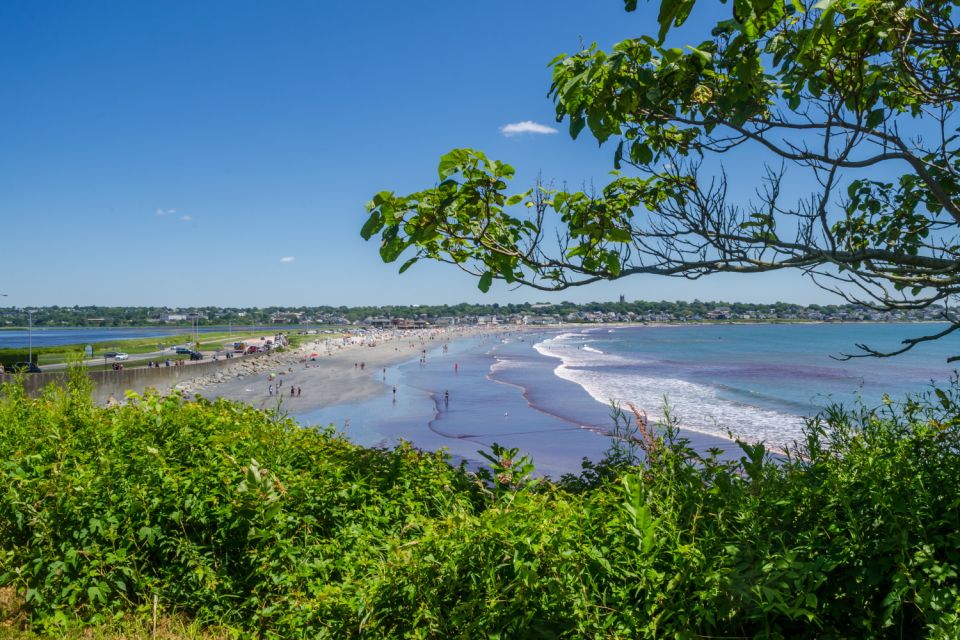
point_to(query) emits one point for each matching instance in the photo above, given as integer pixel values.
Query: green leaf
(409, 263)
(640, 153)
(673, 13)
(944, 400)
(373, 224)
(451, 162)
(700, 53)
(672, 55)
(875, 118)
(391, 250)
(485, 281)
(577, 122)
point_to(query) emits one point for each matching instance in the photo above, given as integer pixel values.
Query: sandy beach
(327, 371)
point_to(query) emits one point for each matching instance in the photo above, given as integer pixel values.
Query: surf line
(592, 428)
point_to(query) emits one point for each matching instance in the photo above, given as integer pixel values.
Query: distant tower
(623, 298)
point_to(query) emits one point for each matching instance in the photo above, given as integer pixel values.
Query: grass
(166, 626)
(208, 342)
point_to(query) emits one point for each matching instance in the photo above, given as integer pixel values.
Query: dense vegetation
(240, 518)
(222, 316)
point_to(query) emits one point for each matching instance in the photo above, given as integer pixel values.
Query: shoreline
(335, 390)
(329, 372)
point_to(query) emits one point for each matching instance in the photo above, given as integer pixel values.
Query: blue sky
(177, 153)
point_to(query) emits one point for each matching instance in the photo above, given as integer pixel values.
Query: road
(135, 360)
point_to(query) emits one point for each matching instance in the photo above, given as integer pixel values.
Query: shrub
(237, 517)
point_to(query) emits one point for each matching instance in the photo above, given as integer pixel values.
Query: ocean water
(548, 393)
(757, 382)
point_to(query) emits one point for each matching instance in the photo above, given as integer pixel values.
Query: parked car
(184, 351)
(121, 356)
(26, 367)
(109, 354)
(251, 349)
(196, 355)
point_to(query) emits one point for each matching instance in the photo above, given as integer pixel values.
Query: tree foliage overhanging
(854, 98)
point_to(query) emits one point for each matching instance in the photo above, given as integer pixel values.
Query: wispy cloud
(165, 212)
(287, 259)
(527, 126)
(186, 218)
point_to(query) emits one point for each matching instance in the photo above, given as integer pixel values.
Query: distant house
(290, 317)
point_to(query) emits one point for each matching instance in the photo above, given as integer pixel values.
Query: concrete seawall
(116, 383)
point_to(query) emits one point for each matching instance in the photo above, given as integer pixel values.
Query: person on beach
(299, 391)
(292, 391)
(446, 399)
(270, 390)
(456, 367)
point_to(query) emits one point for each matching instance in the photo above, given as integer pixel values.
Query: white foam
(505, 363)
(698, 406)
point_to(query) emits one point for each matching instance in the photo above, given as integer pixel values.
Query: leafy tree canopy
(854, 98)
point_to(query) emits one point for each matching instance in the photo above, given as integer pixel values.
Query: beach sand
(332, 376)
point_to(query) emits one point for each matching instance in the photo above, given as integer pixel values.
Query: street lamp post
(30, 334)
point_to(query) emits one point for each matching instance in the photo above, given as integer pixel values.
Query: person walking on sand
(446, 399)
(292, 391)
(270, 390)
(299, 391)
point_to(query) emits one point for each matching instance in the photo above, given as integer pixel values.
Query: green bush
(243, 518)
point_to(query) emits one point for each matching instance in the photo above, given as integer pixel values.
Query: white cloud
(527, 126)
(287, 259)
(186, 218)
(165, 212)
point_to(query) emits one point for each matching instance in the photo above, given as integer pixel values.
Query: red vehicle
(251, 350)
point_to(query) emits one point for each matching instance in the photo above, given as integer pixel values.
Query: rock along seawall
(115, 384)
